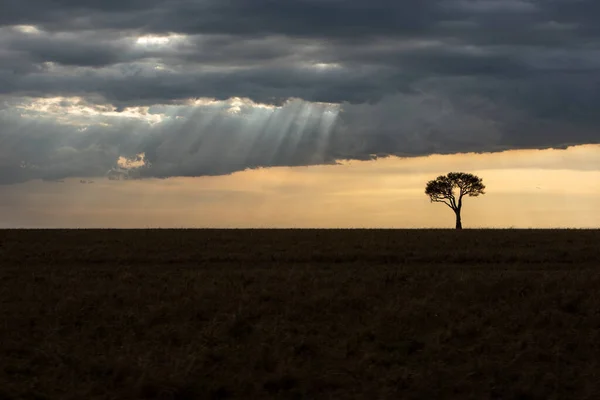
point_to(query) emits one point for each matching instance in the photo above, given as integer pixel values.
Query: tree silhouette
(450, 190)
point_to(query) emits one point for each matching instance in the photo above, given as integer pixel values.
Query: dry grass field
(300, 314)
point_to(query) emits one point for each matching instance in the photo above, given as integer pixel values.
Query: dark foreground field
(295, 314)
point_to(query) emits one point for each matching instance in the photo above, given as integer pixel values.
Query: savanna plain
(299, 314)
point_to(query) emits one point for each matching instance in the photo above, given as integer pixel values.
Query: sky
(297, 113)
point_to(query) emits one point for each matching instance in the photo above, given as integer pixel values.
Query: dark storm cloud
(410, 78)
(349, 19)
(218, 138)
(140, 85)
(209, 139)
(71, 49)
(304, 17)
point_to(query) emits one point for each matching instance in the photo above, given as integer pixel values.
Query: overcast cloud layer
(157, 88)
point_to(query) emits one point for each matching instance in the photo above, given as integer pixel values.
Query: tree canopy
(450, 190)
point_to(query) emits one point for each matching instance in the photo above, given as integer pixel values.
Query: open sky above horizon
(298, 113)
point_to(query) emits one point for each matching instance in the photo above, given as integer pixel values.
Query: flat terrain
(300, 314)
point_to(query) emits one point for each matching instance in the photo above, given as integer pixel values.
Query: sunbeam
(201, 136)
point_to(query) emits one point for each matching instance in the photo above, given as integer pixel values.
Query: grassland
(300, 314)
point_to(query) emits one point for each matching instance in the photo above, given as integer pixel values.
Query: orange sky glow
(525, 189)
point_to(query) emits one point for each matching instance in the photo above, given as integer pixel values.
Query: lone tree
(451, 189)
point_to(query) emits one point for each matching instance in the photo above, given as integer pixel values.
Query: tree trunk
(458, 220)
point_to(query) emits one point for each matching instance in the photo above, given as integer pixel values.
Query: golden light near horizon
(523, 191)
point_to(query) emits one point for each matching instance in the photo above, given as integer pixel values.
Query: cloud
(207, 87)
(58, 138)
